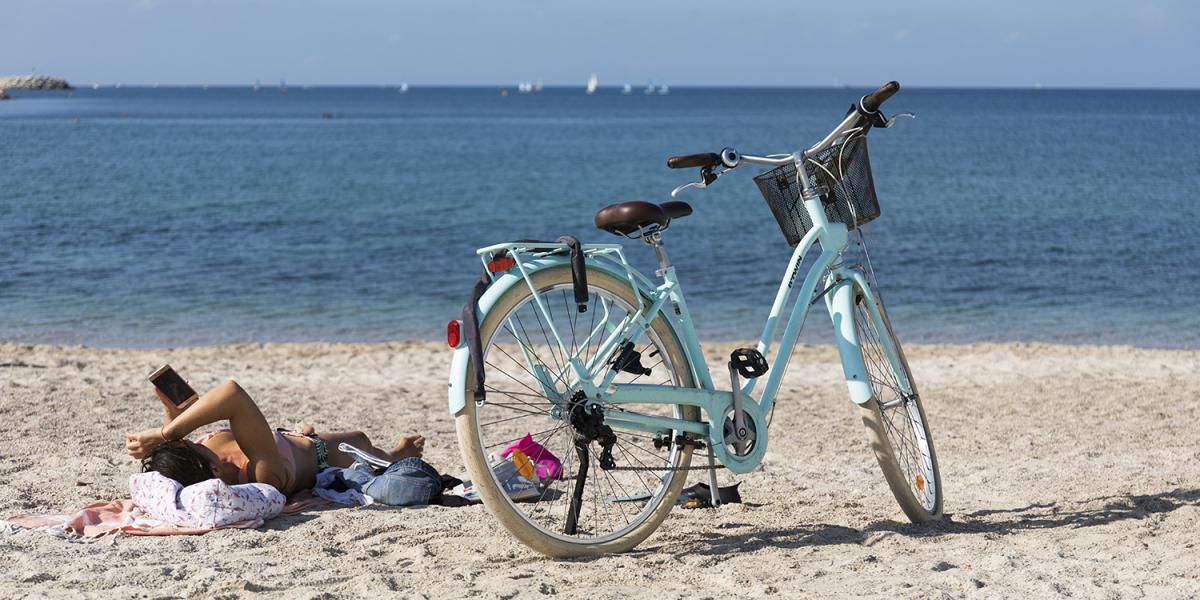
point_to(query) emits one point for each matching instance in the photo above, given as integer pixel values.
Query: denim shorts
(407, 482)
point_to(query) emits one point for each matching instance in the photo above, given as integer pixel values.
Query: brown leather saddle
(637, 218)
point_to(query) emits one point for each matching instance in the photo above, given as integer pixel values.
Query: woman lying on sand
(249, 451)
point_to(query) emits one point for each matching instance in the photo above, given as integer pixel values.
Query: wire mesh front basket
(842, 175)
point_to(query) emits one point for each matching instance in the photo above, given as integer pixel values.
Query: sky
(937, 43)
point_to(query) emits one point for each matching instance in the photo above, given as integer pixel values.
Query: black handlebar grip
(872, 101)
(687, 161)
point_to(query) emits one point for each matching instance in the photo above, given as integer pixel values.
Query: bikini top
(286, 451)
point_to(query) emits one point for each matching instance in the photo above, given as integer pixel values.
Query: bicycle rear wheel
(528, 392)
(895, 419)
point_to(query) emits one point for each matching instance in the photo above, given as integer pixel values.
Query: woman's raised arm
(227, 401)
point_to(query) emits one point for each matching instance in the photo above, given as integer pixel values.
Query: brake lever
(695, 184)
(707, 177)
(881, 123)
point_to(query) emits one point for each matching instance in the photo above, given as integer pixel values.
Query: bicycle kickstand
(715, 496)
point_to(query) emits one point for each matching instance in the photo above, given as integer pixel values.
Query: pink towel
(547, 466)
(123, 516)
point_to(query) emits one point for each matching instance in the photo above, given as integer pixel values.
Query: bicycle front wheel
(895, 418)
(594, 505)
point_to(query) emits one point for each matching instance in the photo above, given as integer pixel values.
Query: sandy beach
(1068, 470)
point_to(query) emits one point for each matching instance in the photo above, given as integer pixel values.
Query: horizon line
(497, 86)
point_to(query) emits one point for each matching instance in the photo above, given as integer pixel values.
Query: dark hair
(180, 462)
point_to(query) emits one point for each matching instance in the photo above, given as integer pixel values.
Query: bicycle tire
(474, 448)
(910, 467)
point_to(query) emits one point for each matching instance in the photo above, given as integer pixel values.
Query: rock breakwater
(33, 82)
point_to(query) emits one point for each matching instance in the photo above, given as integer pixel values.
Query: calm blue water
(147, 217)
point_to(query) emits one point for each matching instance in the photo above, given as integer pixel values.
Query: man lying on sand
(249, 451)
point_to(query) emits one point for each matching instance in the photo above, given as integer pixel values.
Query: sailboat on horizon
(592, 84)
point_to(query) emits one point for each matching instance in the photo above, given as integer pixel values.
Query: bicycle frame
(826, 270)
(839, 285)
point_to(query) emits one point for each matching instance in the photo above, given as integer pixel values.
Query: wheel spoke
(531, 351)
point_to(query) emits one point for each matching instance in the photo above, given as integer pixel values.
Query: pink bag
(547, 466)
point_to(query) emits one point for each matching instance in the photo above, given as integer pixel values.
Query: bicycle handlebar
(861, 117)
(872, 101)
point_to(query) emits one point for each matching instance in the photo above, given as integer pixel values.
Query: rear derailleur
(588, 422)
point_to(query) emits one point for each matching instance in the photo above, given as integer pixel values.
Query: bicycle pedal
(748, 362)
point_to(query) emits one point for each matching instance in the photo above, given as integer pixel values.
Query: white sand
(1067, 470)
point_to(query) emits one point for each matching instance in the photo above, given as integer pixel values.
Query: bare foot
(409, 447)
(306, 429)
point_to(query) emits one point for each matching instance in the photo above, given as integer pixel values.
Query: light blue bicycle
(601, 366)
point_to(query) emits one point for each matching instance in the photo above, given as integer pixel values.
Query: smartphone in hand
(172, 385)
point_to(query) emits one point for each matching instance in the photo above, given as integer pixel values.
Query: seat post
(660, 252)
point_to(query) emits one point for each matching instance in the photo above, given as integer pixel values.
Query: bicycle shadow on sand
(1049, 515)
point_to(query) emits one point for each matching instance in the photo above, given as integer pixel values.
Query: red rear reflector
(501, 263)
(453, 333)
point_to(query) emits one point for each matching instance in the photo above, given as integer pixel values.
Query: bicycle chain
(688, 468)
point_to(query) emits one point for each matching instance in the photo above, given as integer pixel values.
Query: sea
(176, 216)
